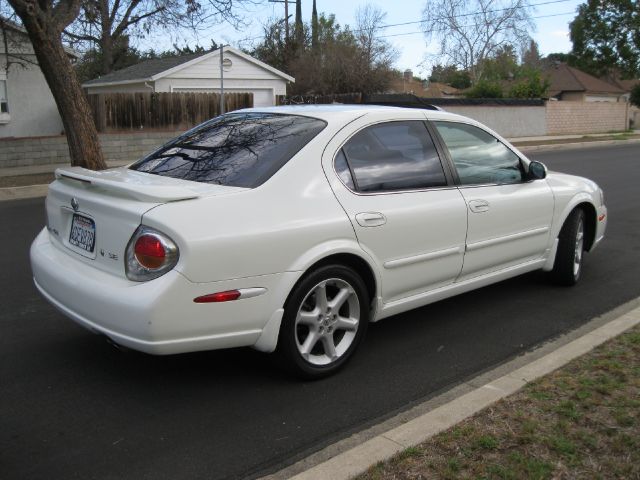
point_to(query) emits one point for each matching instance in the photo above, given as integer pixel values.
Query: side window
(4, 104)
(479, 157)
(342, 169)
(389, 157)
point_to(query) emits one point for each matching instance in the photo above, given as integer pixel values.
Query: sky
(551, 18)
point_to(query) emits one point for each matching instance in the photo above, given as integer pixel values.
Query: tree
(531, 85)
(106, 25)
(606, 37)
(502, 65)
(634, 98)
(343, 60)
(377, 53)
(44, 22)
(470, 31)
(531, 56)
(450, 75)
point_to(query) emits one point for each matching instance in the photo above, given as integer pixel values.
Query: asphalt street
(71, 406)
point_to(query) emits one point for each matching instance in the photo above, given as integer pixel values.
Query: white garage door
(262, 97)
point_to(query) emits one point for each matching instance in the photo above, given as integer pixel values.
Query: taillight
(150, 254)
(149, 251)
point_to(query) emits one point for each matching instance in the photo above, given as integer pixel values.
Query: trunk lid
(92, 215)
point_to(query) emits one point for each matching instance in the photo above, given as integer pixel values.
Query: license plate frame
(82, 234)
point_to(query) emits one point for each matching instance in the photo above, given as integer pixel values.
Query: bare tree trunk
(44, 24)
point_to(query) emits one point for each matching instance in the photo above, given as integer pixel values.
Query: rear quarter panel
(284, 225)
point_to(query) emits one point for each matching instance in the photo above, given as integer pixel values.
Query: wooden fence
(179, 111)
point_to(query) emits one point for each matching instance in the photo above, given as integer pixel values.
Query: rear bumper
(159, 316)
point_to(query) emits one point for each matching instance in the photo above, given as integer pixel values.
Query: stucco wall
(32, 109)
(124, 147)
(582, 118)
(517, 121)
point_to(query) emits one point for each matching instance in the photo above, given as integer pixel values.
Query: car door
(509, 216)
(406, 214)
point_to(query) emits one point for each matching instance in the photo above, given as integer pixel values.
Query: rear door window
(237, 150)
(390, 157)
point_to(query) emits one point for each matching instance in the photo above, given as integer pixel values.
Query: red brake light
(149, 251)
(227, 296)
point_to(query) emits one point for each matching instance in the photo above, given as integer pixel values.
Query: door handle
(370, 219)
(478, 206)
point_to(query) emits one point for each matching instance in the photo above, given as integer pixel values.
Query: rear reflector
(227, 296)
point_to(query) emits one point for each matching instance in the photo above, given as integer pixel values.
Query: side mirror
(537, 171)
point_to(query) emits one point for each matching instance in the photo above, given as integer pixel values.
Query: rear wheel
(567, 267)
(325, 319)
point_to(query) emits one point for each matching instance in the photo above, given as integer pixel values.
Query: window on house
(4, 104)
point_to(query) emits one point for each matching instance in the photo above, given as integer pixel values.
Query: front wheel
(569, 256)
(325, 319)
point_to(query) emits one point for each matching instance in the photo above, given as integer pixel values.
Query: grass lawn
(580, 422)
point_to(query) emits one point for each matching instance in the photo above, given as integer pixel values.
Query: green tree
(606, 37)
(531, 85)
(531, 56)
(450, 75)
(502, 65)
(343, 60)
(634, 99)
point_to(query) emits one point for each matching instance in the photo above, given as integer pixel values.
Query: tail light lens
(150, 254)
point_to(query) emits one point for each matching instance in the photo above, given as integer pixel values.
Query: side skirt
(421, 299)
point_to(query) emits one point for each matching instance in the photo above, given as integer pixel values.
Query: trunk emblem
(75, 204)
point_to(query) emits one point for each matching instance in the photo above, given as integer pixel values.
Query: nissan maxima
(289, 229)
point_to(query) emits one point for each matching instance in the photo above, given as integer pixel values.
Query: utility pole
(286, 15)
(221, 81)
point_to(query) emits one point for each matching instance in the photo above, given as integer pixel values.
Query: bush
(484, 89)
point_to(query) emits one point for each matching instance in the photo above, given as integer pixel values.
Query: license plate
(83, 233)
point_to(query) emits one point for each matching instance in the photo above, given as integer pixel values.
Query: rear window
(236, 150)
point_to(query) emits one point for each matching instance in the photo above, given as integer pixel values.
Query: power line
(472, 13)
(465, 26)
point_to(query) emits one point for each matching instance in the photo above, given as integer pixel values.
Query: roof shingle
(144, 70)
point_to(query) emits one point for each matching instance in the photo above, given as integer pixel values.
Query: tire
(325, 319)
(567, 266)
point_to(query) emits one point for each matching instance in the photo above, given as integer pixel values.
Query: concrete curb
(19, 193)
(568, 146)
(461, 402)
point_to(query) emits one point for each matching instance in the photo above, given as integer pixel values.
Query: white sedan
(289, 229)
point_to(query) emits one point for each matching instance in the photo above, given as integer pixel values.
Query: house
(198, 73)
(407, 83)
(568, 83)
(27, 106)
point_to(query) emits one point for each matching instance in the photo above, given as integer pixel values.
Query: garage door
(262, 97)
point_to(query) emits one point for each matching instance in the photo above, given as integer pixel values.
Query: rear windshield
(237, 150)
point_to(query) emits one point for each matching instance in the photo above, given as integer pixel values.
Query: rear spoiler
(136, 185)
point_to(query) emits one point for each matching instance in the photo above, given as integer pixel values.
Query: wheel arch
(590, 223)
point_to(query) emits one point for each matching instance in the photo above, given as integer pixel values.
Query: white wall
(32, 109)
(511, 122)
